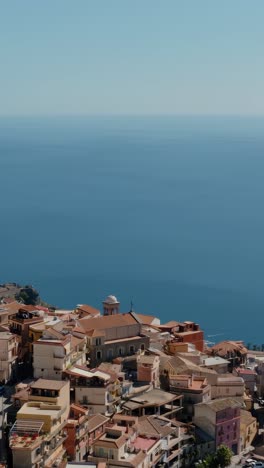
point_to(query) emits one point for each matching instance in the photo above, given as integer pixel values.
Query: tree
(223, 456)
(28, 295)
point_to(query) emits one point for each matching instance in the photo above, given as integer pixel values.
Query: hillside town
(105, 388)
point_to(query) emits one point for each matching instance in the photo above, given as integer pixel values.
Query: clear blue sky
(139, 56)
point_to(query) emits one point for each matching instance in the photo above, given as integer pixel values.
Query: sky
(131, 57)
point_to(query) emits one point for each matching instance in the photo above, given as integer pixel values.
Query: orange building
(186, 332)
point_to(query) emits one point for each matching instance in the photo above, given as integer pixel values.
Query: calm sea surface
(166, 211)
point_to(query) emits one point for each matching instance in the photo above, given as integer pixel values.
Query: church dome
(111, 300)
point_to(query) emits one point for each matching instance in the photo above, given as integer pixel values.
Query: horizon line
(133, 114)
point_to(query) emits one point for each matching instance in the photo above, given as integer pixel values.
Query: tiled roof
(49, 384)
(76, 341)
(149, 425)
(144, 359)
(109, 321)
(222, 404)
(225, 347)
(170, 324)
(146, 319)
(96, 421)
(87, 309)
(95, 333)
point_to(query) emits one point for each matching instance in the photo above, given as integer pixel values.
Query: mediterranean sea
(164, 211)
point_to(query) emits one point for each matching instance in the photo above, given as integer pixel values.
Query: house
(186, 332)
(8, 355)
(216, 363)
(148, 320)
(193, 390)
(175, 438)
(76, 443)
(227, 386)
(179, 365)
(19, 325)
(248, 429)
(152, 402)
(221, 420)
(148, 369)
(55, 351)
(86, 311)
(95, 389)
(37, 437)
(234, 351)
(116, 449)
(113, 335)
(250, 378)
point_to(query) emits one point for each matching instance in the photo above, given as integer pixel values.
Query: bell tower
(111, 305)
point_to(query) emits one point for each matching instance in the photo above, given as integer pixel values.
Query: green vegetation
(28, 295)
(220, 459)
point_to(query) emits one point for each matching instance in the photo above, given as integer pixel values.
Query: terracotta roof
(87, 309)
(76, 341)
(146, 319)
(149, 425)
(95, 333)
(96, 421)
(144, 359)
(225, 347)
(78, 409)
(79, 330)
(49, 384)
(109, 321)
(12, 307)
(53, 332)
(170, 324)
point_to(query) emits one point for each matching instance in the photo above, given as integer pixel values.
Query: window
(142, 347)
(131, 349)
(110, 353)
(97, 341)
(99, 355)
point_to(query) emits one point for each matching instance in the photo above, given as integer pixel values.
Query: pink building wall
(228, 429)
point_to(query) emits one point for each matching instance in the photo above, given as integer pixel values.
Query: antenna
(131, 306)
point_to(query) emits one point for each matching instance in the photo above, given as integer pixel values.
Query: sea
(165, 212)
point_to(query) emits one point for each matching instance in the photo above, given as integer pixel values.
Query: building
(111, 336)
(144, 402)
(38, 435)
(175, 438)
(19, 325)
(250, 378)
(193, 390)
(216, 363)
(234, 351)
(248, 429)
(148, 369)
(77, 443)
(221, 420)
(227, 386)
(86, 311)
(8, 355)
(95, 389)
(117, 450)
(111, 306)
(55, 352)
(186, 332)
